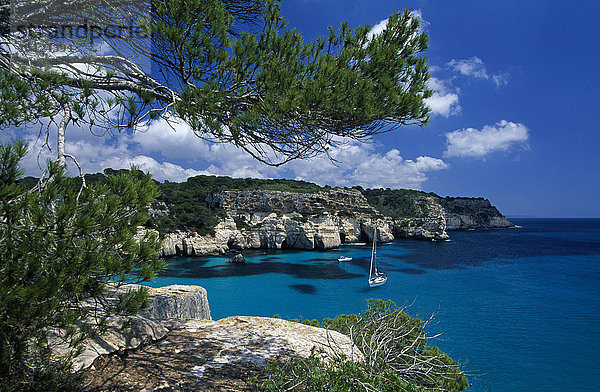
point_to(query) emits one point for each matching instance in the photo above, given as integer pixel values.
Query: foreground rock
(214, 355)
(170, 306)
(178, 302)
(175, 346)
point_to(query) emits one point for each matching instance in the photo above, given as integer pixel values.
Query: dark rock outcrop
(463, 213)
(238, 259)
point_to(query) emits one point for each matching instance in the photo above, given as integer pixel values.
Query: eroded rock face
(178, 302)
(282, 220)
(257, 340)
(138, 330)
(306, 204)
(430, 224)
(325, 220)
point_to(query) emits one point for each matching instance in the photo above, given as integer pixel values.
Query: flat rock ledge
(214, 355)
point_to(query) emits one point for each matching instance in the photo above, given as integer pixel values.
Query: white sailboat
(376, 278)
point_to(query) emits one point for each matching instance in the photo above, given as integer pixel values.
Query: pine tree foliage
(233, 70)
(61, 244)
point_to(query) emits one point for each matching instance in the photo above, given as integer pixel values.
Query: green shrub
(397, 358)
(241, 224)
(300, 219)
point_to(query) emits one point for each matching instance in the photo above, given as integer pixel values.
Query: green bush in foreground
(60, 244)
(397, 358)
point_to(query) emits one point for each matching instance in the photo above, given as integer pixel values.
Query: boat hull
(377, 281)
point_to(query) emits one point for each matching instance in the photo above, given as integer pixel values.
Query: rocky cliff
(428, 224)
(471, 213)
(285, 220)
(325, 220)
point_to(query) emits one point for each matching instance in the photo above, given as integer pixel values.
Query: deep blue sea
(519, 307)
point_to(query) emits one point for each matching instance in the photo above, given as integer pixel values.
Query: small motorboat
(344, 258)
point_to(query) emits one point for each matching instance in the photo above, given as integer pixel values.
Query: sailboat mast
(375, 249)
(373, 252)
(378, 278)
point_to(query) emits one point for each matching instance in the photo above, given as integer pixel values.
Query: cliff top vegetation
(183, 205)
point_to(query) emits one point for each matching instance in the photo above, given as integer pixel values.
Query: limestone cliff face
(430, 224)
(325, 220)
(305, 204)
(284, 220)
(178, 302)
(472, 213)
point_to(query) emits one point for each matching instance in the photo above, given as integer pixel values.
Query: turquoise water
(520, 308)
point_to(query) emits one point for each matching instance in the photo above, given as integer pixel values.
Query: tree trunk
(62, 127)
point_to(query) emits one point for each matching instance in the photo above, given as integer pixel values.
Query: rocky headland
(269, 219)
(463, 213)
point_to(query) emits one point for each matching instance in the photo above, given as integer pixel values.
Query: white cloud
(417, 14)
(175, 155)
(160, 171)
(172, 139)
(355, 163)
(379, 27)
(94, 153)
(476, 143)
(359, 164)
(442, 102)
(391, 170)
(475, 67)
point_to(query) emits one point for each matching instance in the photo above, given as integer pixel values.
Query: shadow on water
(304, 288)
(371, 291)
(272, 258)
(410, 271)
(321, 260)
(329, 271)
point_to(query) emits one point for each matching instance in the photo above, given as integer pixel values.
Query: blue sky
(532, 63)
(514, 115)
